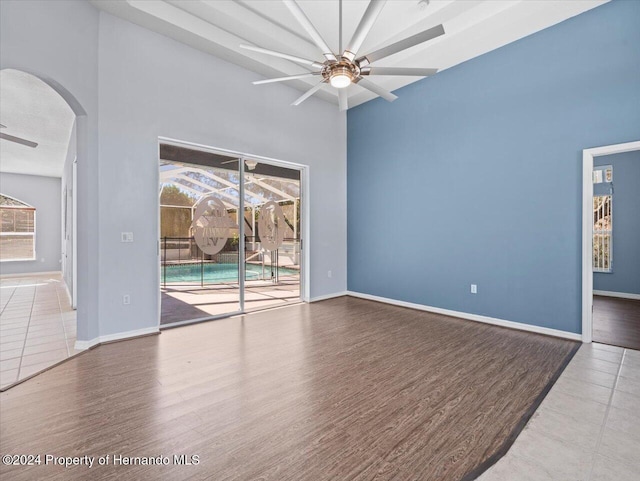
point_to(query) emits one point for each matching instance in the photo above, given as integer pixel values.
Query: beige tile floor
(588, 426)
(37, 325)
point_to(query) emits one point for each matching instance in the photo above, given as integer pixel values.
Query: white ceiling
(32, 110)
(472, 27)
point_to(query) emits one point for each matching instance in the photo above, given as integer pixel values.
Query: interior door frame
(74, 233)
(305, 224)
(588, 156)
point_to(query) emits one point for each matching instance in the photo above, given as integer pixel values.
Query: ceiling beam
(272, 189)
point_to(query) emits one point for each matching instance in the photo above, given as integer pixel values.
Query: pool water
(217, 272)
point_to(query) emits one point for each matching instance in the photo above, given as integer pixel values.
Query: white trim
(622, 295)
(25, 259)
(66, 288)
(74, 232)
(207, 148)
(82, 345)
(329, 296)
(305, 221)
(240, 214)
(30, 274)
(305, 233)
(587, 228)
(472, 317)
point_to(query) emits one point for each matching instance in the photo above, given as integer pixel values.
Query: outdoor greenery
(175, 222)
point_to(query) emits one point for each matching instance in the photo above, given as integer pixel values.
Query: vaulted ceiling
(31, 110)
(473, 27)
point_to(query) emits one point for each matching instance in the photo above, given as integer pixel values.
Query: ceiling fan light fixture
(251, 164)
(341, 77)
(343, 68)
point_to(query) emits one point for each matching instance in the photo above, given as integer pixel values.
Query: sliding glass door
(199, 234)
(229, 234)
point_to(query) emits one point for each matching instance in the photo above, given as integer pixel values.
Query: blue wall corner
(474, 175)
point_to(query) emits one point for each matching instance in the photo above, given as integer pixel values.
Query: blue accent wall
(475, 175)
(626, 225)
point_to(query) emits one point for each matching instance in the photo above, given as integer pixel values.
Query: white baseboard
(328, 296)
(66, 288)
(30, 274)
(622, 295)
(473, 317)
(82, 345)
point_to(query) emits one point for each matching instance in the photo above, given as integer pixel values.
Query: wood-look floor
(344, 389)
(616, 321)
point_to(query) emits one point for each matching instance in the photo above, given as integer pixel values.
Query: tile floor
(588, 426)
(37, 325)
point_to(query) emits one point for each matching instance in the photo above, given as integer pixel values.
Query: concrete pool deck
(182, 302)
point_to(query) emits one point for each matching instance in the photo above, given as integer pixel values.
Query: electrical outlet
(474, 289)
(126, 237)
(329, 274)
(126, 299)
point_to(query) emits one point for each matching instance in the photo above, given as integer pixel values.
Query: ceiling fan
(340, 71)
(17, 140)
(251, 164)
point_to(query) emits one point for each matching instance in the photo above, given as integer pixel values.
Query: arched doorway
(38, 255)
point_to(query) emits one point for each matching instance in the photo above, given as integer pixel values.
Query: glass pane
(14, 247)
(199, 235)
(602, 233)
(272, 242)
(18, 220)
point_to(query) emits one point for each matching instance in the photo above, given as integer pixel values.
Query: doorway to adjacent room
(611, 235)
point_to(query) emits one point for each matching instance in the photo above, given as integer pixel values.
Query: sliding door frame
(305, 225)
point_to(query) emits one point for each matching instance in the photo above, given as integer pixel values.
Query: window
(602, 231)
(18, 232)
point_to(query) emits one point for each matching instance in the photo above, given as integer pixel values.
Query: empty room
(320, 240)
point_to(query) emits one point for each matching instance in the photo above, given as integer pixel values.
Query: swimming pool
(211, 272)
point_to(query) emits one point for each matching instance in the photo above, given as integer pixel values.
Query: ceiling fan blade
(282, 79)
(419, 72)
(302, 19)
(339, 26)
(308, 94)
(342, 99)
(286, 56)
(376, 89)
(363, 28)
(18, 140)
(3, 126)
(408, 42)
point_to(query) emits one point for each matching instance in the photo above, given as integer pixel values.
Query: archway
(39, 148)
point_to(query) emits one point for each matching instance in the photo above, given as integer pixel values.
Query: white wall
(58, 42)
(143, 85)
(43, 193)
(152, 86)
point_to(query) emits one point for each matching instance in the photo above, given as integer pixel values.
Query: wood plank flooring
(616, 321)
(344, 389)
